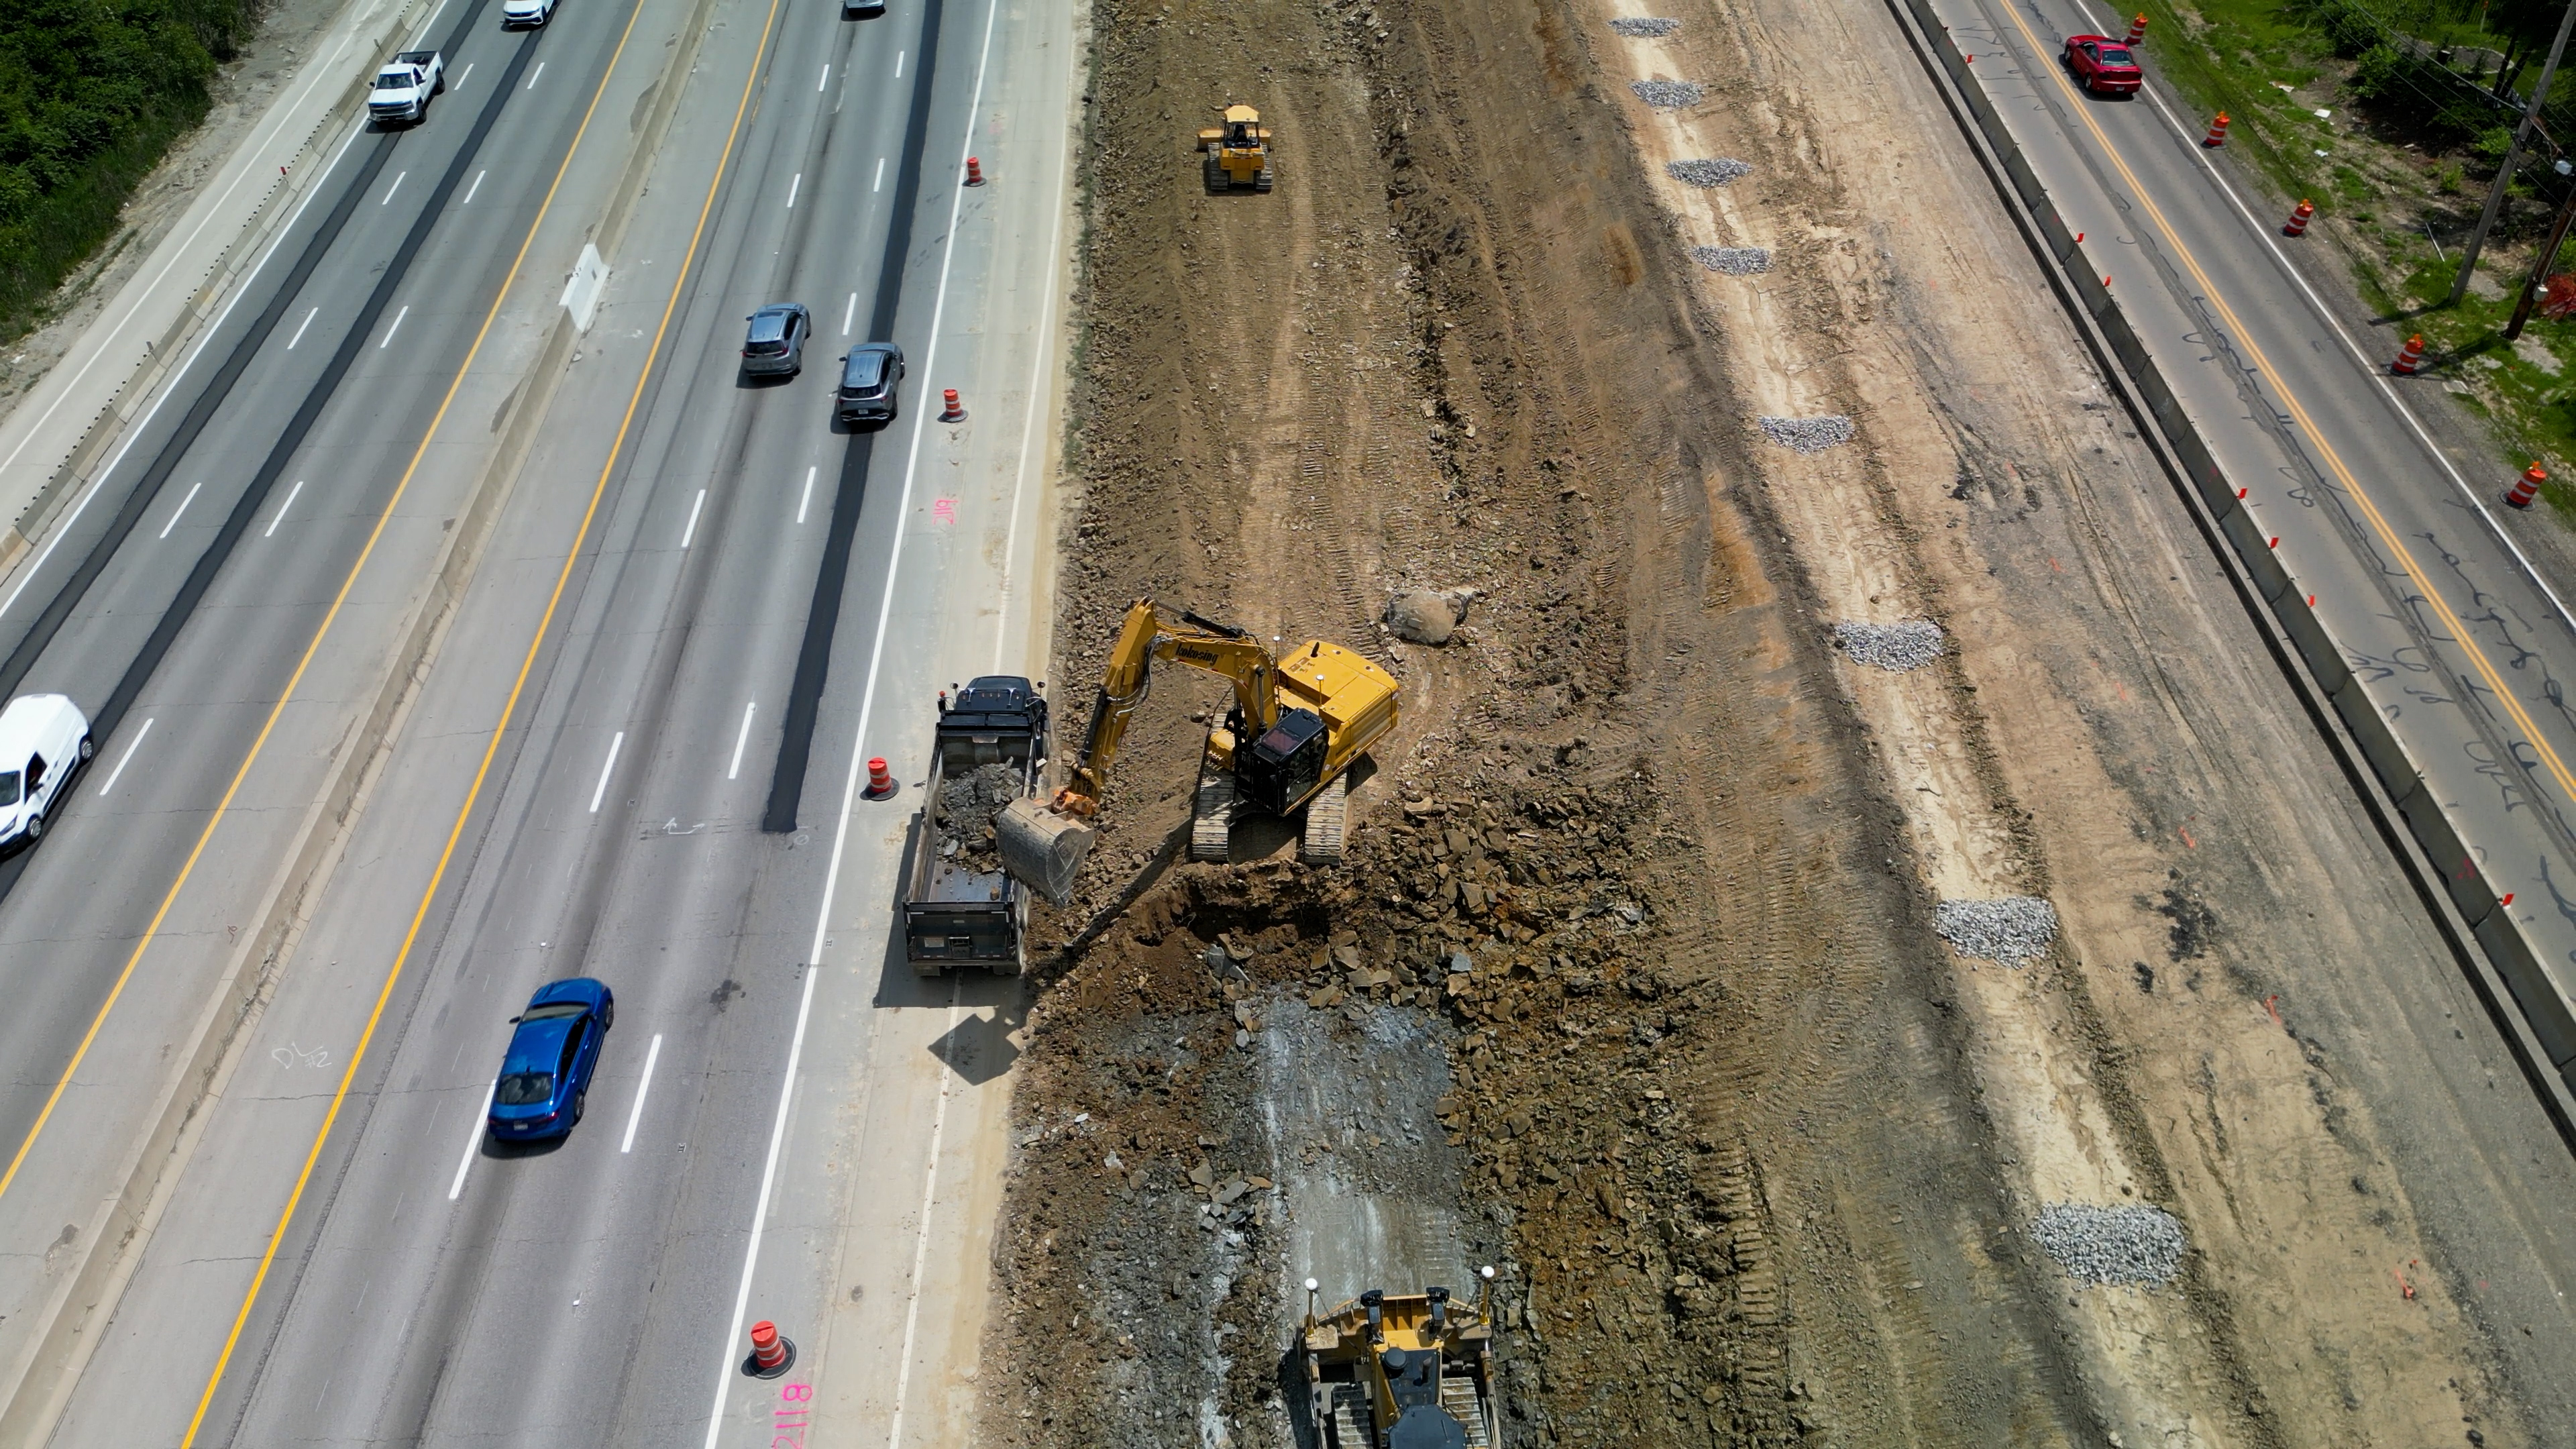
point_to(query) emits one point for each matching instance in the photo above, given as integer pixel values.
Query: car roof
(585, 989)
(27, 721)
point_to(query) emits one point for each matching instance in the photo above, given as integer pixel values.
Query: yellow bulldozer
(1402, 1372)
(1297, 725)
(1238, 152)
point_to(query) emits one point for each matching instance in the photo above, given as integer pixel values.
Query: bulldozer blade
(1042, 848)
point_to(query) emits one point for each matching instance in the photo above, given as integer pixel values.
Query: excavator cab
(1285, 764)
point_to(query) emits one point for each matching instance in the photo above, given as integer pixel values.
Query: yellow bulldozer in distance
(1238, 152)
(1297, 726)
(1402, 1372)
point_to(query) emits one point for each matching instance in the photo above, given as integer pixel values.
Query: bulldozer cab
(1238, 134)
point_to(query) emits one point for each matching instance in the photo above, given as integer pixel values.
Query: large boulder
(1425, 617)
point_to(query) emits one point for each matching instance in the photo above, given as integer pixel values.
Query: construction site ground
(1633, 984)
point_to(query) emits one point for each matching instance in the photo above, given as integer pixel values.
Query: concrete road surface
(787, 1124)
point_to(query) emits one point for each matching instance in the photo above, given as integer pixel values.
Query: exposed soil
(1638, 912)
(241, 93)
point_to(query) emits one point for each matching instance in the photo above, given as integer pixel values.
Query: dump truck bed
(959, 905)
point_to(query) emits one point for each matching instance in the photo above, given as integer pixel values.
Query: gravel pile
(968, 804)
(1809, 435)
(1706, 171)
(1903, 645)
(2129, 1243)
(1667, 93)
(2011, 930)
(1645, 27)
(1733, 261)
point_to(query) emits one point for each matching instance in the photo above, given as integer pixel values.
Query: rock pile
(2125, 1243)
(1645, 27)
(1667, 94)
(968, 803)
(1733, 261)
(1706, 171)
(2011, 929)
(1898, 647)
(1809, 435)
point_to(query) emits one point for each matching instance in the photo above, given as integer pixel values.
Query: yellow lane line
(286, 696)
(2289, 400)
(492, 747)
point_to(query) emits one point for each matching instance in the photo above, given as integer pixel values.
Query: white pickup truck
(404, 86)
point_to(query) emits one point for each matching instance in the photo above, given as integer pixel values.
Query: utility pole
(2512, 153)
(2531, 285)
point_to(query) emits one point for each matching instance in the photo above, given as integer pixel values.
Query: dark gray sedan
(775, 346)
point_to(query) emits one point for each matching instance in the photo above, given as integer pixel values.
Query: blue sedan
(546, 1073)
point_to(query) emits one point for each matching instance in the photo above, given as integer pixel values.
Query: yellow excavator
(1238, 152)
(1402, 1372)
(1297, 725)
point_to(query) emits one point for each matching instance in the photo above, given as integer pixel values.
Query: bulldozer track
(1354, 1426)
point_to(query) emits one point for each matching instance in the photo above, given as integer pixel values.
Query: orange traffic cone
(2138, 29)
(2297, 225)
(2527, 487)
(953, 413)
(2410, 359)
(974, 172)
(2217, 132)
(880, 781)
(771, 1351)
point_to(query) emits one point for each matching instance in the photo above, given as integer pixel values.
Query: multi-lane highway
(655, 608)
(2411, 559)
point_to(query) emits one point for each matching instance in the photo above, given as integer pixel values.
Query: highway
(635, 680)
(2407, 551)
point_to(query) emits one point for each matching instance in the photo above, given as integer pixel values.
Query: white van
(44, 740)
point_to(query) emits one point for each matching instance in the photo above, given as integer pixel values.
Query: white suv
(526, 12)
(44, 740)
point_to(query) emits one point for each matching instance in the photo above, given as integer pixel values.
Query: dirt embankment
(1632, 983)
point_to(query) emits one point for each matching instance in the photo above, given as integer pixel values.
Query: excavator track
(1320, 843)
(1354, 1427)
(1212, 815)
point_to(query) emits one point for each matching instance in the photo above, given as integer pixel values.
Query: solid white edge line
(182, 510)
(1029, 446)
(805, 499)
(481, 1115)
(300, 326)
(325, 68)
(600, 790)
(652, 1054)
(741, 737)
(691, 531)
(2387, 389)
(849, 793)
(390, 190)
(126, 759)
(205, 337)
(397, 327)
(291, 494)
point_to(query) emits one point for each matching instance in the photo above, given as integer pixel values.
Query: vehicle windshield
(8, 787)
(2114, 55)
(523, 1089)
(552, 1010)
(394, 80)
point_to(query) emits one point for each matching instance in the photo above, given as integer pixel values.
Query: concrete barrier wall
(2543, 1007)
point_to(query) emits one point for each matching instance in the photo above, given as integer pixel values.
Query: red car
(2104, 66)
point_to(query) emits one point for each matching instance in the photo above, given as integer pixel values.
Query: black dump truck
(960, 907)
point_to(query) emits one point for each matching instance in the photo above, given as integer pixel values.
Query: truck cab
(404, 86)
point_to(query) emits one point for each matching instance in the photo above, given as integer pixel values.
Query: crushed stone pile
(2125, 1243)
(1706, 170)
(1733, 261)
(2011, 929)
(968, 803)
(1809, 435)
(1668, 94)
(1645, 27)
(1903, 645)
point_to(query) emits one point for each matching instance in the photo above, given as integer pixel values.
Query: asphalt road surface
(787, 1124)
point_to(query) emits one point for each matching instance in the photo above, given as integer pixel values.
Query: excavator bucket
(1042, 847)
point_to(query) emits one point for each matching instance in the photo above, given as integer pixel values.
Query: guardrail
(2543, 1009)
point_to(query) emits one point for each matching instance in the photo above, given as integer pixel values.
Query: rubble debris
(1667, 95)
(2118, 1243)
(1706, 170)
(1645, 27)
(968, 804)
(1898, 647)
(1733, 261)
(1809, 435)
(1425, 617)
(2009, 929)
